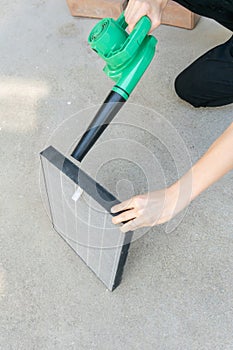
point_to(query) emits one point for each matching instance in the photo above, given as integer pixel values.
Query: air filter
(85, 224)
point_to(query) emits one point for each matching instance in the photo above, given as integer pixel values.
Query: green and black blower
(127, 57)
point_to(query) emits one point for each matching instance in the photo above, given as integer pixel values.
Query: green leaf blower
(127, 57)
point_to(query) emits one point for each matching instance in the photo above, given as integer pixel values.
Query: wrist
(180, 194)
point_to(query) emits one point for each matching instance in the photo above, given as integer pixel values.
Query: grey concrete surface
(177, 290)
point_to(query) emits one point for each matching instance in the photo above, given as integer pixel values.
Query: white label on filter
(77, 194)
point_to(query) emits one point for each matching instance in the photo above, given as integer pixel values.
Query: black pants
(208, 82)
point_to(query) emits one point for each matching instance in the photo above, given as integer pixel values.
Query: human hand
(159, 207)
(150, 209)
(138, 8)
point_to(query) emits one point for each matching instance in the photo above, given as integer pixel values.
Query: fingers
(132, 225)
(134, 12)
(155, 23)
(129, 8)
(149, 209)
(130, 213)
(128, 204)
(138, 8)
(125, 216)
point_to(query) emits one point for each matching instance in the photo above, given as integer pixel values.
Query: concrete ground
(177, 289)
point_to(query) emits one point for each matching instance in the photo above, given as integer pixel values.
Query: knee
(186, 89)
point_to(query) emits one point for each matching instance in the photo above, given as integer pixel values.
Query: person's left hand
(150, 209)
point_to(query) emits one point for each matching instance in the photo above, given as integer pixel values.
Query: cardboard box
(97, 8)
(177, 15)
(174, 14)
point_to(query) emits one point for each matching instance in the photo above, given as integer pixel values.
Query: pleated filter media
(83, 219)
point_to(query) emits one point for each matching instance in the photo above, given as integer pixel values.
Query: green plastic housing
(127, 56)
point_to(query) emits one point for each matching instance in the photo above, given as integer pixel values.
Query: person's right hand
(138, 8)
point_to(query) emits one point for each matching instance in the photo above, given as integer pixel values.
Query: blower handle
(138, 34)
(130, 47)
(121, 21)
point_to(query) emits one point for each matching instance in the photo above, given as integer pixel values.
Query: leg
(208, 82)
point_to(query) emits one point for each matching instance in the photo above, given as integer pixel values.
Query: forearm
(214, 164)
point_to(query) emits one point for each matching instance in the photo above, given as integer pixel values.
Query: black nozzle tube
(102, 119)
